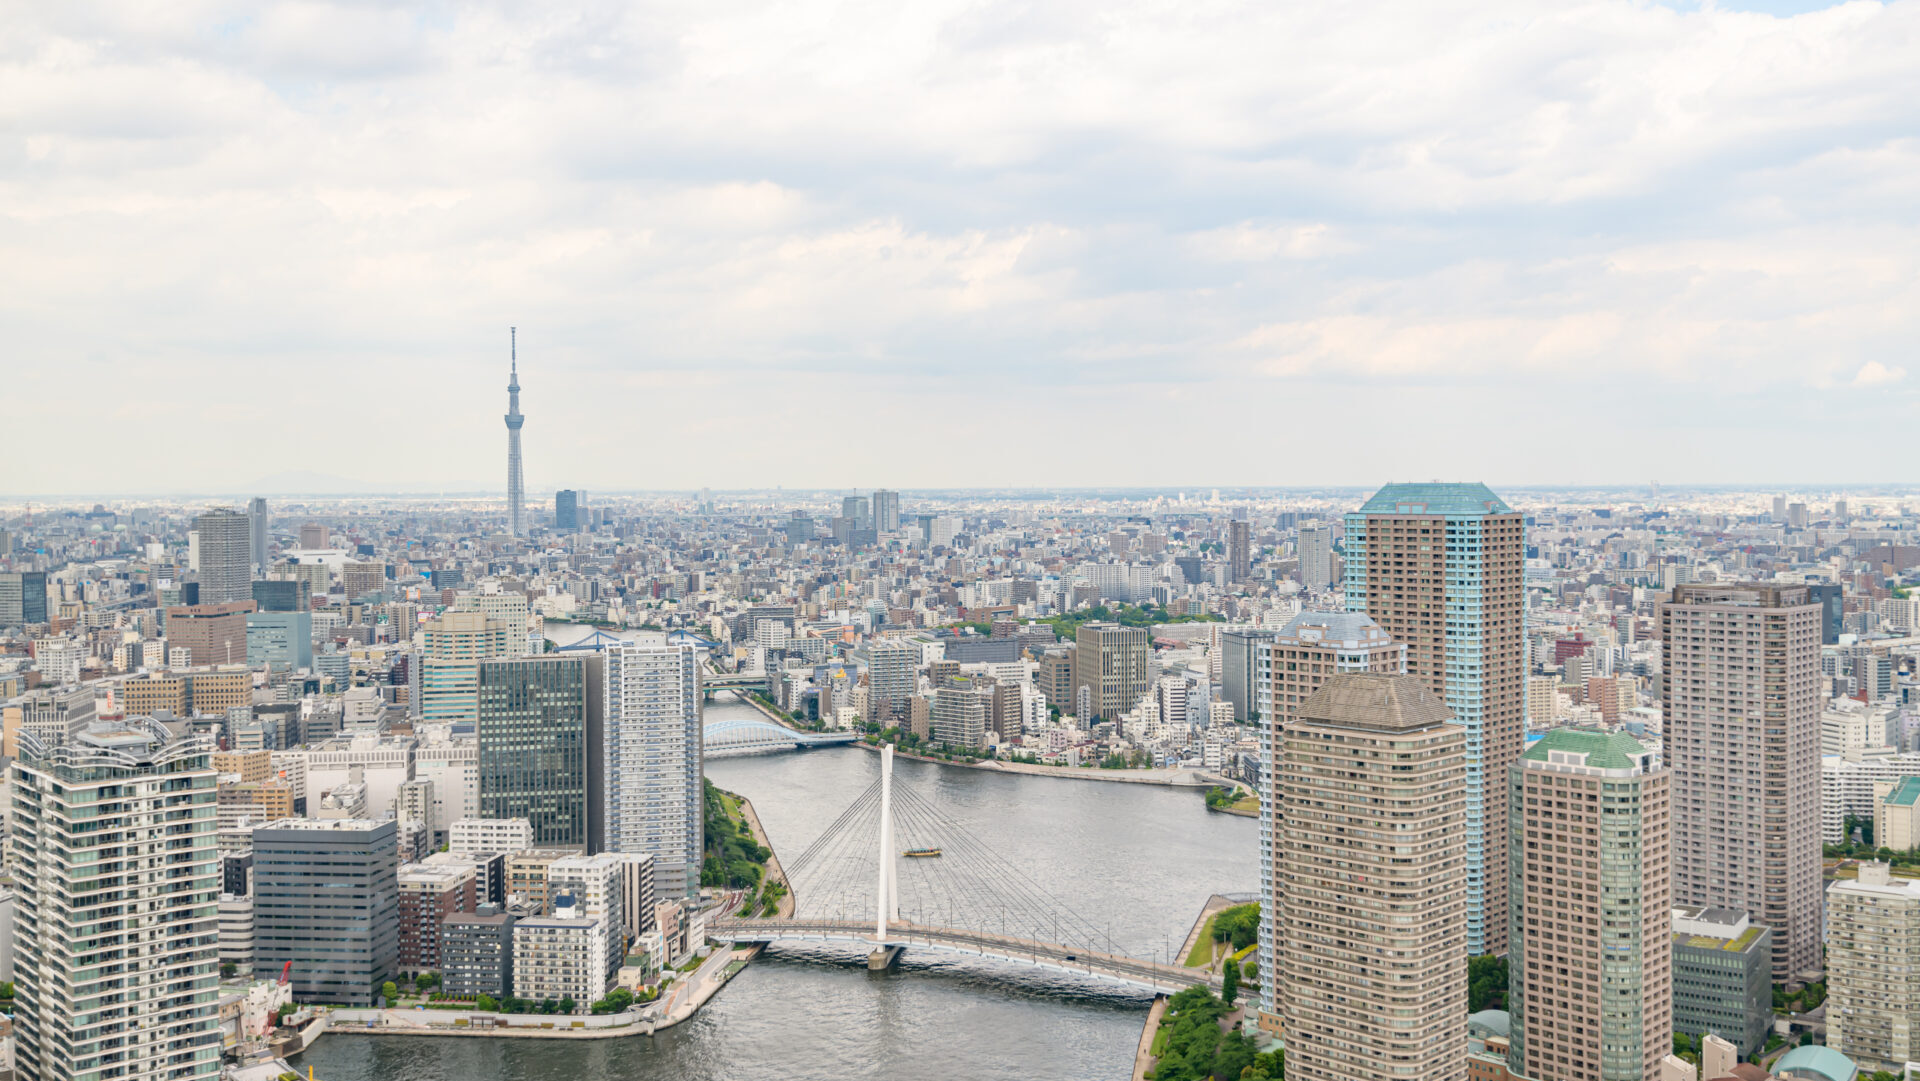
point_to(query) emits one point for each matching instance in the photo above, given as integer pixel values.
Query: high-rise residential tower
(1110, 661)
(1873, 950)
(1439, 567)
(857, 510)
(516, 493)
(1590, 911)
(1315, 549)
(652, 749)
(1741, 675)
(566, 511)
(116, 879)
(539, 732)
(893, 666)
(226, 556)
(257, 530)
(886, 510)
(1292, 663)
(1240, 549)
(1372, 972)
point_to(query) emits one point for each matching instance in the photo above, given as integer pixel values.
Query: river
(1137, 860)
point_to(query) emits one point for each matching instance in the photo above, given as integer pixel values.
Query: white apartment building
(454, 768)
(1873, 947)
(383, 764)
(1846, 788)
(651, 755)
(1852, 729)
(504, 835)
(236, 931)
(124, 988)
(594, 883)
(560, 956)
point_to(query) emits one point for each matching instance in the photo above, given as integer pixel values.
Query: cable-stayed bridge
(946, 890)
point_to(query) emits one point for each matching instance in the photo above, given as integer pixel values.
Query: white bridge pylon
(887, 896)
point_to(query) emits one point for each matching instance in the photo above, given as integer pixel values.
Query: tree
(227, 969)
(424, 981)
(389, 992)
(486, 1004)
(567, 1004)
(1230, 984)
(1486, 983)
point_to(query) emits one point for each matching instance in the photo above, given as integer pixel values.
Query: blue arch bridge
(754, 735)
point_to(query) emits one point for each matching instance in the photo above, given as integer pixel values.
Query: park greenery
(733, 858)
(1808, 997)
(1146, 615)
(1486, 983)
(1191, 1044)
(1238, 926)
(1861, 826)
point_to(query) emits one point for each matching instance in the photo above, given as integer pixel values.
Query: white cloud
(1875, 374)
(948, 219)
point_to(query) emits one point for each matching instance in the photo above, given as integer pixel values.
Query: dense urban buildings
(1742, 727)
(1370, 859)
(1440, 568)
(406, 671)
(1590, 921)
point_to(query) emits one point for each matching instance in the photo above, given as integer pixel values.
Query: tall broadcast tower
(516, 493)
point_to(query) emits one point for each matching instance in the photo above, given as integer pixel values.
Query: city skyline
(711, 226)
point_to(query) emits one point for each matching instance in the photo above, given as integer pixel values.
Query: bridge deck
(1054, 955)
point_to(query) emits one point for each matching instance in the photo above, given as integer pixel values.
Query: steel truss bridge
(849, 884)
(754, 735)
(735, 681)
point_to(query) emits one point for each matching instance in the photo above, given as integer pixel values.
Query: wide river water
(1136, 860)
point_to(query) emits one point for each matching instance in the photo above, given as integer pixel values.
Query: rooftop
(1346, 628)
(1814, 1060)
(1905, 793)
(1435, 498)
(1602, 750)
(1366, 700)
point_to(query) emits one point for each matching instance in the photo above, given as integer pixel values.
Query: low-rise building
(490, 835)
(236, 931)
(559, 957)
(429, 893)
(476, 952)
(1722, 976)
(1896, 814)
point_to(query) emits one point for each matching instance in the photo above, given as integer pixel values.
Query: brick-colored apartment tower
(1741, 687)
(1370, 861)
(1441, 568)
(1590, 913)
(1308, 651)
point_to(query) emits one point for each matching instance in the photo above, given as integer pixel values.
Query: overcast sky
(945, 243)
